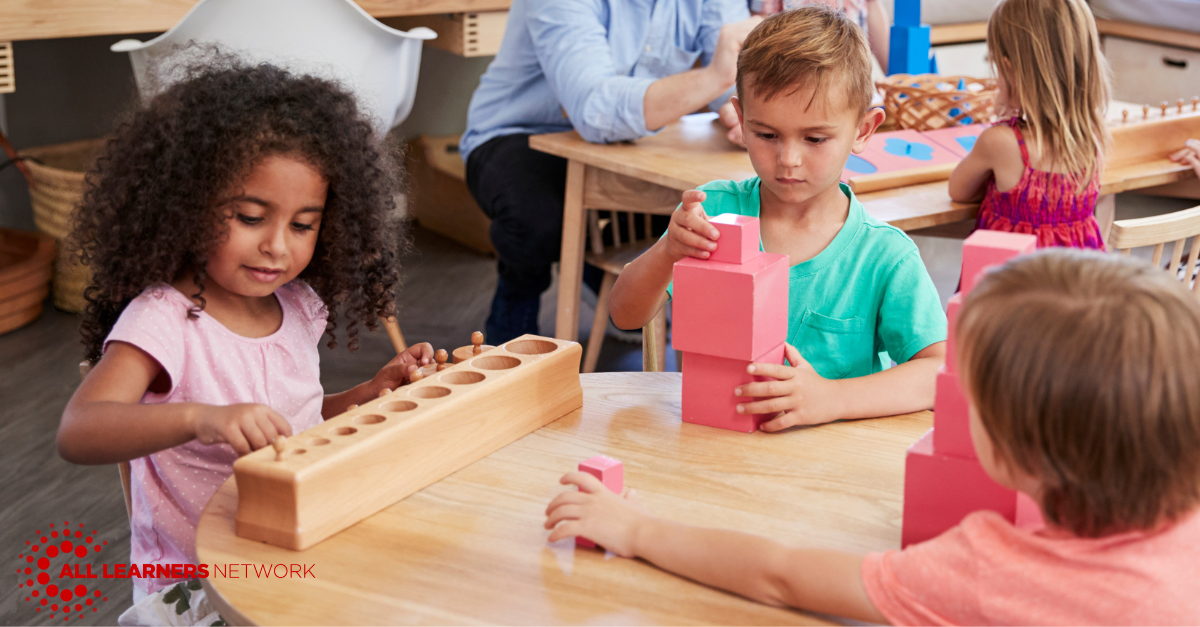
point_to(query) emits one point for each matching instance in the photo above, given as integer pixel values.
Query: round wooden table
(471, 548)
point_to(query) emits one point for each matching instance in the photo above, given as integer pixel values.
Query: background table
(471, 548)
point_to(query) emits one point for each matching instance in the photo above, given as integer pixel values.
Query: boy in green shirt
(857, 287)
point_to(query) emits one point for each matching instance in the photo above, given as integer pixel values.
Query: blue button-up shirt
(594, 59)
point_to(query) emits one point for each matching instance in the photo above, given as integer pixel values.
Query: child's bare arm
(752, 566)
(806, 398)
(969, 180)
(1189, 155)
(104, 422)
(641, 289)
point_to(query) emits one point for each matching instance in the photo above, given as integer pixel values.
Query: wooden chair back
(123, 468)
(1157, 231)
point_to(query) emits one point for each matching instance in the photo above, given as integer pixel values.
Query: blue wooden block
(908, 13)
(909, 50)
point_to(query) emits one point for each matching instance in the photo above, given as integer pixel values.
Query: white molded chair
(334, 39)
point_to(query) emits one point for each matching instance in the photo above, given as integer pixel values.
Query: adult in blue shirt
(611, 69)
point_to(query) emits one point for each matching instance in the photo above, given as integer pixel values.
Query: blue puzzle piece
(967, 142)
(859, 165)
(901, 148)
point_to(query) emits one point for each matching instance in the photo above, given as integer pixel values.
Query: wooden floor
(446, 296)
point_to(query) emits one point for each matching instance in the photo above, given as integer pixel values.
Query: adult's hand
(729, 44)
(729, 118)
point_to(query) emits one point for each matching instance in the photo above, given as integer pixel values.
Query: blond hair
(1082, 368)
(812, 46)
(1049, 53)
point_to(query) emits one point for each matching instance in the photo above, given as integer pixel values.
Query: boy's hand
(1189, 155)
(400, 368)
(690, 234)
(246, 427)
(798, 394)
(608, 519)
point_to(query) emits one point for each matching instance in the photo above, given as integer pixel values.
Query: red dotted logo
(41, 562)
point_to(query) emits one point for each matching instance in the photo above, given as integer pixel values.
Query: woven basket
(925, 102)
(57, 190)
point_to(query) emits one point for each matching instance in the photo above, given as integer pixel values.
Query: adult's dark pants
(522, 191)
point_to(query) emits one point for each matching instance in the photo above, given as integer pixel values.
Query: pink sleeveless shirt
(210, 364)
(1046, 204)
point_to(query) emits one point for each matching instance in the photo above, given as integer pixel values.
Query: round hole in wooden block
(531, 347)
(429, 391)
(318, 442)
(496, 362)
(345, 431)
(465, 377)
(369, 419)
(295, 452)
(398, 406)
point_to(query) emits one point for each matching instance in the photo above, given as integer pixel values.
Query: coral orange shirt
(985, 571)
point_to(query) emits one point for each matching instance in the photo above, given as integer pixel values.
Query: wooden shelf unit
(466, 34)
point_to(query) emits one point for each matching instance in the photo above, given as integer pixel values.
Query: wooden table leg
(1106, 212)
(570, 270)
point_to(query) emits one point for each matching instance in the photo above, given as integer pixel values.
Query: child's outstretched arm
(641, 290)
(970, 177)
(104, 422)
(1189, 155)
(752, 566)
(803, 397)
(397, 372)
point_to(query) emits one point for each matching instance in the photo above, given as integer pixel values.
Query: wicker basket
(925, 102)
(25, 265)
(57, 190)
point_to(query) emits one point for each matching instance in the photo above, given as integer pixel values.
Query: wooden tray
(26, 263)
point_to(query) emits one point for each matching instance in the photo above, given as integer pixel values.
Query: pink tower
(729, 310)
(943, 480)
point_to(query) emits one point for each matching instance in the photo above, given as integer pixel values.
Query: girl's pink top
(985, 571)
(210, 364)
(1046, 204)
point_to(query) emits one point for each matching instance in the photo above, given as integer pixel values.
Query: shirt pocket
(836, 348)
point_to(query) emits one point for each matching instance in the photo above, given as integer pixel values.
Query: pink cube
(940, 490)
(951, 423)
(737, 311)
(984, 249)
(611, 473)
(708, 385)
(739, 238)
(952, 309)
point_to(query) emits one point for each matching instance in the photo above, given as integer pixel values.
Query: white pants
(163, 607)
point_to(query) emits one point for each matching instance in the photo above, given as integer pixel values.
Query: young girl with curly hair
(223, 223)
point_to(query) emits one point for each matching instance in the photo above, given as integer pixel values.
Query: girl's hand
(1189, 155)
(246, 427)
(400, 368)
(608, 519)
(798, 394)
(690, 234)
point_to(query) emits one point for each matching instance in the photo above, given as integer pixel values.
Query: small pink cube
(739, 238)
(611, 473)
(951, 420)
(952, 309)
(984, 249)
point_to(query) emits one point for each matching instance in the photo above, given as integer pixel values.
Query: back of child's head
(157, 198)
(1081, 366)
(813, 47)
(1048, 52)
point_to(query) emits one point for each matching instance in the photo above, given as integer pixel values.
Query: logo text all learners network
(189, 571)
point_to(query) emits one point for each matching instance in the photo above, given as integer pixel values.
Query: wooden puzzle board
(470, 548)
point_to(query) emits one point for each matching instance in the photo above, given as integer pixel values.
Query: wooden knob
(1163, 105)
(1179, 103)
(384, 392)
(477, 339)
(1195, 101)
(1145, 111)
(416, 375)
(352, 406)
(440, 357)
(279, 443)
(1124, 115)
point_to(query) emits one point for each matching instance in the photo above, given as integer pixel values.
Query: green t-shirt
(867, 293)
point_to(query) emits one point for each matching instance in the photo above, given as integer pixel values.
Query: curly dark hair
(152, 211)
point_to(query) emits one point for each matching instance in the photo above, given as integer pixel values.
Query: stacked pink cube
(943, 480)
(730, 310)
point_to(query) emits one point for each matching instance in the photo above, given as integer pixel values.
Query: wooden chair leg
(393, 330)
(1106, 213)
(654, 343)
(599, 323)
